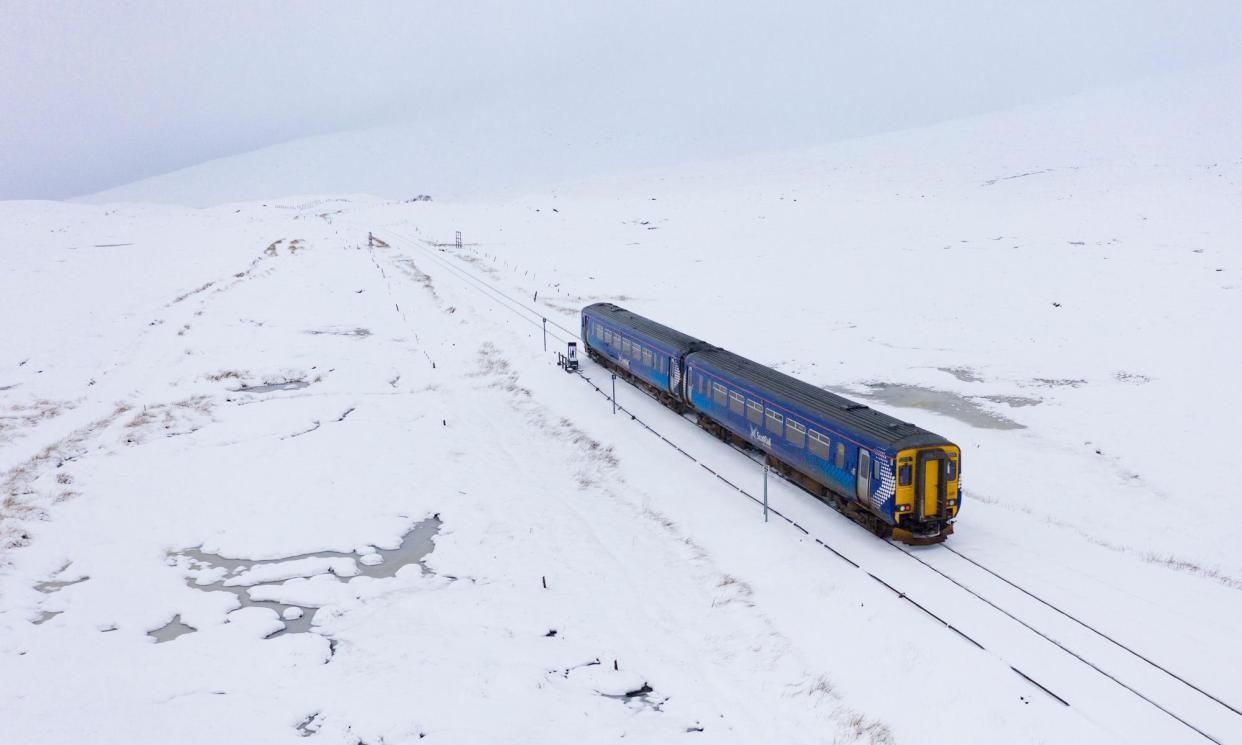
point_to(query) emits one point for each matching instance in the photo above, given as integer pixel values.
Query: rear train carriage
(650, 353)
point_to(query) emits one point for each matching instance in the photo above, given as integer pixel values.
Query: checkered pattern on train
(888, 485)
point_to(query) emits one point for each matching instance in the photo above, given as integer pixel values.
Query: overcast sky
(98, 93)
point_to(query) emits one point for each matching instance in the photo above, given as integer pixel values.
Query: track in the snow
(536, 318)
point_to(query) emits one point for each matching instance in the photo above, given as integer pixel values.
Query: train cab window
(754, 411)
(818, 444)
(773, 422)
(719, 394)
(841, 455)
(904, 475)
(795, 433)
(737, 402)
(951, 470)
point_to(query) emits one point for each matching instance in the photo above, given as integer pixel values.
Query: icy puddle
(47, 587)
(171, 630)
(215, 573)
(962, 408)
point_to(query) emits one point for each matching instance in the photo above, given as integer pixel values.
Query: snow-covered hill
(245, 404)
(493, 151)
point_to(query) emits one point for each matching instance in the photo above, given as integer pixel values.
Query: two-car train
(893, 477)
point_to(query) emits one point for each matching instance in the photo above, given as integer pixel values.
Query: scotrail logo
(758, 436)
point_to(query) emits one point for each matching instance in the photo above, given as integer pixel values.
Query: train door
(930, 484)
(863, 481)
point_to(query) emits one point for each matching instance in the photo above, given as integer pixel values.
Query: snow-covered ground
(202, 406)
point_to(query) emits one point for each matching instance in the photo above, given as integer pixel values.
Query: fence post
(614, 393)
(545, 334)
(765, 493)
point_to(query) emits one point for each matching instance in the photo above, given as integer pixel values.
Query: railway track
(1149, 682)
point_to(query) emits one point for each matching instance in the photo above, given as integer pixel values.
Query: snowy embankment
(225, 428)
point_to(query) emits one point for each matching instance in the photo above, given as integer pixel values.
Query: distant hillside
(1184, 117)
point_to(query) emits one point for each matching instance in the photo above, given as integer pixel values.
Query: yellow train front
(927, 493)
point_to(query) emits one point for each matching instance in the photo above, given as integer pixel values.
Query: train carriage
(646, 352)
(875, 466)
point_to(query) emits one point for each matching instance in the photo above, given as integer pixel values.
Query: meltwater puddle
(962, 408)
(239, 576)
(50, 586)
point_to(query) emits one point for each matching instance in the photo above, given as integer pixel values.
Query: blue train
(895, 478)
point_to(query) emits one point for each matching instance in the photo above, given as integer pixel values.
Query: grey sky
(96, 94)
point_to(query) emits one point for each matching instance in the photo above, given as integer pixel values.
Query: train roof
(649, 328)
(888, 431)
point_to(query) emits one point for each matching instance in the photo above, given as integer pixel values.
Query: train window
(795, 432)
(737, 402)
(754, 411)
(841, 455)
(875, 468)
(647, 359)
(720, 394)
(903, 476)
(951, 470)
(625, 347)
(636, 352)
(819, 444)
(774, 422)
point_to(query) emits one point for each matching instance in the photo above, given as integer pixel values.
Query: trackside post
(614, 393)
(765, 494)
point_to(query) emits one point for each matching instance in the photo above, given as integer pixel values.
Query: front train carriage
(639, 349)
(895, 478)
